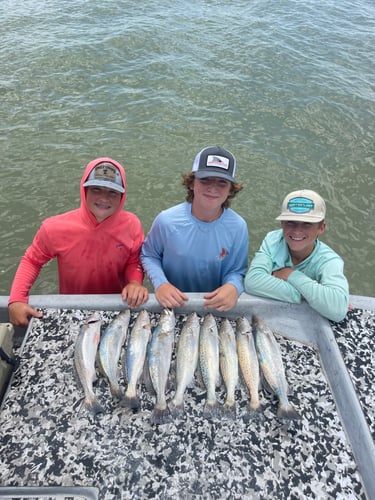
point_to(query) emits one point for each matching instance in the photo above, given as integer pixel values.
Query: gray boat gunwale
(294, 321)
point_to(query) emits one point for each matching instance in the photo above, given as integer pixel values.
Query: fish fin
(99, 365)
(131, 402)
(266, 385)
(160, 416)
(288, 413)
(123, 366)
(199, 377)
(146, 378)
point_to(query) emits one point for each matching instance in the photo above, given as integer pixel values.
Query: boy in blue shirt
(292, 264)
(200, 245)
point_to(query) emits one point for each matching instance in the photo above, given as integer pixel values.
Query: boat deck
(49, 441)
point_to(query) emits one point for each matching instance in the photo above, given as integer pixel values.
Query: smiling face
(102, 202)
(300, 237)
(209, 195)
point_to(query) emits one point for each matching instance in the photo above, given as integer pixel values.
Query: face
(102, 202)
(209, 194)
(301, 236)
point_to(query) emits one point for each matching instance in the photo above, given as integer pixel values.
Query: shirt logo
(223, 254)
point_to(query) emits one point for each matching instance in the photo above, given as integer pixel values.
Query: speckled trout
(270, 360)
(135, 358)
(186, 361)
(159, 362)
(85, 351)
(110, 348)
(209, 362)
(228, 361)
(248, 360)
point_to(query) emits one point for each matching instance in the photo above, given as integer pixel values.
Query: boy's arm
(151, 255)
(237, 262)
(36, 255)
(329, 296)
(259, 281)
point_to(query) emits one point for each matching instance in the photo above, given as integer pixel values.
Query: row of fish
(213, 354)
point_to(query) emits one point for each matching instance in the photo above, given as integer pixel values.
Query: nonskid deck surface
(47, 439)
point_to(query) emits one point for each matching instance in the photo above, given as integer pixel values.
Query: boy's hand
(223, 298)
(20, 313)
(170, 296)
(135, 294)
(283, 273)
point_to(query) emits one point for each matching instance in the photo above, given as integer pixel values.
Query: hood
(85, 175)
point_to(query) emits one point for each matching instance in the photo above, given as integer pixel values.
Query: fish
(228, 361)
(159, 362)
(209, 362)
(135, 358)
(270, 360)
(110, 348)
(248, 360)
(85, 351)
(186, 361)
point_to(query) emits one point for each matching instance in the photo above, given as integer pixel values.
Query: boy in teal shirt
(292, 264)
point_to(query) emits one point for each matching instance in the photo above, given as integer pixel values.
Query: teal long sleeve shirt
(319, 279)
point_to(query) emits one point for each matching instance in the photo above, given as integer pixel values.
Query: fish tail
(211, 409)
(254, 405)
(229, 409)
(254, 415)
(93, 406)
(160, 416)
(176, 409)
(132, 402)
(288, 412)
(116, 393)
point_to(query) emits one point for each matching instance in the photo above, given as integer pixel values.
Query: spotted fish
(85, 351)
(270, 360)
(186, 361)
(135, 358)
(159, 362)
(110, 348)
(209, 362)
(228, 363)
(248, 360)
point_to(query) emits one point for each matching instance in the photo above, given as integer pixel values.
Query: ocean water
(287, 86)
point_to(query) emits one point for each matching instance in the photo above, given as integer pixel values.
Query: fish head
(93, 318)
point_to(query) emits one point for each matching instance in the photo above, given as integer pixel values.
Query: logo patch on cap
(217, 161)
(105, 172)
(300, 205)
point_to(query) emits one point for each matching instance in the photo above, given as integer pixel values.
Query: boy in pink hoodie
(97, 246)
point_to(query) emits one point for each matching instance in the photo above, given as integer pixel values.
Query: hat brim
(213, 173)
(300, 218)
(104, 184)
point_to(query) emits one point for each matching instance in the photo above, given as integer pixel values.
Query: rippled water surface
(287, 86)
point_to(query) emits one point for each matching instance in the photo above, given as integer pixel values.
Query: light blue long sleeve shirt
(319, 279)
(196, 256)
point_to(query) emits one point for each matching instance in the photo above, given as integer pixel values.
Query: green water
(287, 86)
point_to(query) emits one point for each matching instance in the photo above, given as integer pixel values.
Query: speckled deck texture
(48, 440)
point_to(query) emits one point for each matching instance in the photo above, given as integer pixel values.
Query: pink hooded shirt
(92, 257)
